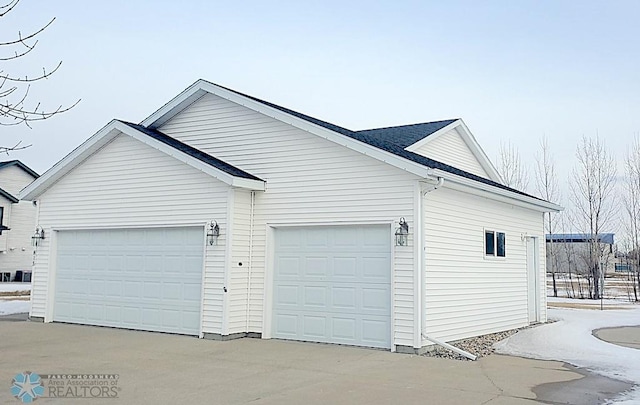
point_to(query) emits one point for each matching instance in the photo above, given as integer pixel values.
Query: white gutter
(494, 192)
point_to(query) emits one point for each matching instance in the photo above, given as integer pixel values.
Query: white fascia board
(495, 193)
(66, 164)
(187, 97)
(430, 138)
(250, 184)
(176, 105)
(478, 152)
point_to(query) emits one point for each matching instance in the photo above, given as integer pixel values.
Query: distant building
(572, 252)
(17, 222)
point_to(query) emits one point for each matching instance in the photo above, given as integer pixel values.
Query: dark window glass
(501, 244)
(489, 244)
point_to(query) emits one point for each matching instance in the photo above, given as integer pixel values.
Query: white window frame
(494, 255)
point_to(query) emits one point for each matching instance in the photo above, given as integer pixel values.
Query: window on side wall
(494, 244)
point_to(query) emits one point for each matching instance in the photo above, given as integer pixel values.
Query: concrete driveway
(156, 368)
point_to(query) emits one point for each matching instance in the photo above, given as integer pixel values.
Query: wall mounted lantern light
(213, 232)
(37, 237)
(402, 233)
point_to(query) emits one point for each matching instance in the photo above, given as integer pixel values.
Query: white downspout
(452, 348)
(468, 355)
(251, 212)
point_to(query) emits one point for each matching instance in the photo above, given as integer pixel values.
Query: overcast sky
(512, 70)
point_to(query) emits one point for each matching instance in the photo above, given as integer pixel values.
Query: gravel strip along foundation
(481, 346)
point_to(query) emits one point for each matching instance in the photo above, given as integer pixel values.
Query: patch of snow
(14, 307)
(570, 339)
(11, 287)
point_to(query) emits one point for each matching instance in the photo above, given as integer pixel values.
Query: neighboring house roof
(8, 196)
(406, 135)
(191, 151)
(579, 238)
(155, 139)
(20, 165)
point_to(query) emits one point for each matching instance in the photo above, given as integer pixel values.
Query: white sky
(512, 70)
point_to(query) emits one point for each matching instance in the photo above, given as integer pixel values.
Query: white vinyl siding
(129, 184)
(309, 180)
(13, 179)
(468, 294)
(451, 149)
(16, 242)
(21, 218)
(239, 263)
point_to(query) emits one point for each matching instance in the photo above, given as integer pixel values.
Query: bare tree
(548, 189)
(15, 104)
(592, 186)
(631, 199)
(510, 167)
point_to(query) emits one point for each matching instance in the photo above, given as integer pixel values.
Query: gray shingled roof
(406, 135)
(193, 152)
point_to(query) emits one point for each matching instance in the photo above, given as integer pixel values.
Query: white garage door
(147, 279)
(333, 285)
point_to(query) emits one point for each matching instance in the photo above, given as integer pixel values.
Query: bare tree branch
(592, 187)
(510, 167)
(15, 88)
(548, 189)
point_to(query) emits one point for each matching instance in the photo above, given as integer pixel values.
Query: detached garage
(223, 216)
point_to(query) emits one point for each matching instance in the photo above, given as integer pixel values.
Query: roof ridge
(409, 125)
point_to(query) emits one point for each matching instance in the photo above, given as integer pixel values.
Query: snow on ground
(11, 287)
(8, 304)
(570, 340)
(14, 307)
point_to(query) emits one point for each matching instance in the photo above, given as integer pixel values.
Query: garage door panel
(289, 266)
(314, 296)
(286, 324)
(345, 267)
(332, 284)
(344, 298)
(314, 326)
(146, 279)
(376, 269)
(286, 295)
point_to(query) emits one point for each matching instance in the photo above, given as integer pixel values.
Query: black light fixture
(213, 232)
(402, 233)
(37, 237)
